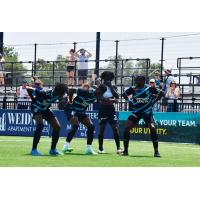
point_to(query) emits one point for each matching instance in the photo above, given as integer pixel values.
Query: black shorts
(46, 114)
(70, 113)
(148, 118)
(82, 74)
(70, 68)
(107, 114)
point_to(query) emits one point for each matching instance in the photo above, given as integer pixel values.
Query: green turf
(14, 151)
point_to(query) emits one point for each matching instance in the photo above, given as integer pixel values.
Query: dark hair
(72, 50)
(107, 75)
(60, 89)
(141, 78)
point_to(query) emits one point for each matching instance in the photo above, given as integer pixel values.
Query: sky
(143, 45)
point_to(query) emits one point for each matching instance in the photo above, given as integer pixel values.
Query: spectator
(22, 96)
(83, 56)
(2, 60)
(156, 107)
(168, 79)
(71, 58)
(172, 96)
(159, 82)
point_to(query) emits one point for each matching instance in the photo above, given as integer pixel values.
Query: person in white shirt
(22, 96)
(83, 56)
(2, 60)
(172, 96)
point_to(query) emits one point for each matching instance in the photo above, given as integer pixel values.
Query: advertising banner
(171, 127)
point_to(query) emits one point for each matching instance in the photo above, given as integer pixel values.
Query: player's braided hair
(107, 76)
(60, 89)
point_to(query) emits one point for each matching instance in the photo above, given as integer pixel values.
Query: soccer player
(41, 102)
(75, 111)
(143, 99)
(107, 113)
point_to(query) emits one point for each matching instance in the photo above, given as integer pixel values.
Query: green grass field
(14, 152)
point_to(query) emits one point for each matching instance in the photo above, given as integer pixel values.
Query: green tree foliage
(13, 68)
(125, 74)
(52, 72)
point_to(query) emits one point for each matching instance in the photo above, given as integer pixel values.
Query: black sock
(126, 139)
(72, 133)
(100, 138)
(155, 146)
(116, 137)
(37, 135)
(90, 134)
(55, 138)
(154, 138)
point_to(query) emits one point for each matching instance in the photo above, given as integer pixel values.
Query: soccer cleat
(35, 152)
(119, 151)
(123, 153)
(90, 152)
(157, 155)
(54, 152)
(101, 152)
(67, 149)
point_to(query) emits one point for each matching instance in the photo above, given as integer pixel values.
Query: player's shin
(55, 138)
(101, 136)
(116, 136)
(126, 139)
(37, 135)
(154, 138)
(72, 133)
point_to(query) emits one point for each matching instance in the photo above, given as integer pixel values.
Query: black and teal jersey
(41, 100)
(143, 99)
(83, 99)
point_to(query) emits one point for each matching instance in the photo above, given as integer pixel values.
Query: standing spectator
(83, 56)
(2, 60)
(168, 79)
(71, 58)
(172, 96)
(158, 81)
(22, 96)
(156, 107)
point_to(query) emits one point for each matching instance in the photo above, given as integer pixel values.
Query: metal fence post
(162, 56)
(35, 58)
(97, 53)
(116, 60)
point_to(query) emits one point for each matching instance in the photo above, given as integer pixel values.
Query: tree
(130, 69)
(13, 68)
(52, 72)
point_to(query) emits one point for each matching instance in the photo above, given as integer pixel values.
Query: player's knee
(39, 127)
(57, 127)
(75, 127)
(91, 129)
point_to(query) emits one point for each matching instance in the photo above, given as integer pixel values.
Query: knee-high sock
(154, 138)
(55, 138)
(116, 135)
(101, 136)
(126, 138)
(90, 134)
(37, 135)
(72, 133)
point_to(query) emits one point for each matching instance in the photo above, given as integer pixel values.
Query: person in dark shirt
(143, 99)
(75, 111)
(107, 113)
(41, 102)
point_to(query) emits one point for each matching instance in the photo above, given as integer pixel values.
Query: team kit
(75, 102)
